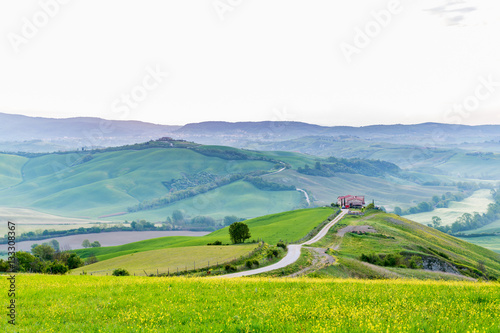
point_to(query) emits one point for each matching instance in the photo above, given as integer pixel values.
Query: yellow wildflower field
(151, 304)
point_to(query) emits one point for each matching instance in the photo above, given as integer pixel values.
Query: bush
(57, 267)
(249, 264)
(74, 261)
(92, 259)
(271, 253)
(120, 272)
(282, 245)
(255, 262)
(217, 242)
(415, 262)
(229, 268)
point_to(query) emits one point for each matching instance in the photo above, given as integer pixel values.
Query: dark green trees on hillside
(239, 232)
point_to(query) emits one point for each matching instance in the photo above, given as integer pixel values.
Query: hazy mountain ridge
(73, 133)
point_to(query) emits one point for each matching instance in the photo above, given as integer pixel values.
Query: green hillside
(390, 242)
(151, 180)
(290, 226)
(10, 170)
(103, 183)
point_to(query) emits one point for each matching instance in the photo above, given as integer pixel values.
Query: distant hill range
(35, 134)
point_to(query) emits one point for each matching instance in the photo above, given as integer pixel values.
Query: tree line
(469, 221)
(333, 165)
(45, 258)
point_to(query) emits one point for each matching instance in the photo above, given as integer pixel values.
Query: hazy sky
(321, 61)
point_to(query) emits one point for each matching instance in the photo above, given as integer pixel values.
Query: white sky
(267, 60)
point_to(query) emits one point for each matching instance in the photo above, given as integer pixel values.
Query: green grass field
(168, 260)
(395, 235)
(290, 226)
(477, 202)
(489, 242)
(111, 181)
(148, 304)
(239, 198)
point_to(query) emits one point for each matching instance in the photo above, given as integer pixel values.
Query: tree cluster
(374, 168)
(442, 201)
(265, 185)
(43, 259)
(469, 221)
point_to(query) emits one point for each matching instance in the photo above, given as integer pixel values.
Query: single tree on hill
(95, 244)
(86, 243)
(239, 232)
(436, 221)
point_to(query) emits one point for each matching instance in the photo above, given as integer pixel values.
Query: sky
(324, 62)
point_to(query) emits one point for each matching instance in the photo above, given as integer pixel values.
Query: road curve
(293, 252)
(307, 196)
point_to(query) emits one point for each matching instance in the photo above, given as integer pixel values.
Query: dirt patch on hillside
(357, 229)
(321, 259)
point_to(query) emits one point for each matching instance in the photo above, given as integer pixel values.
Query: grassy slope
(289, 226)
(489, 242)
(165, 260)
(239, 198)
(86, 303)
(478, 202)
(111, 181)
(10, 169)
(408, 236)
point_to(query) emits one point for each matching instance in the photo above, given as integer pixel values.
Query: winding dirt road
(293, 252)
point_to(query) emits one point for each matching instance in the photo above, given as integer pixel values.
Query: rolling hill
(389, 242)
(152, 180)
(288, 226)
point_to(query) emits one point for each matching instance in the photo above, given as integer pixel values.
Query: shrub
(120, 272)
(282, 245)
(371, 258)
(229, 268)
(217, 242)
(74, 261)
(248, 264)
(255, 262)
(57, 267)
(273, 252)
(92, 259)
(415, 262)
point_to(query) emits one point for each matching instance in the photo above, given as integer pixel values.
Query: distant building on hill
(351, 201)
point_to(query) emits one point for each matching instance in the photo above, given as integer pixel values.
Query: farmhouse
(351, 201)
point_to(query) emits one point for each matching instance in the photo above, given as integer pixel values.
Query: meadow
(397, 235)
(148, 304)
(288, 226)
(477, 202)
(168, 260)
